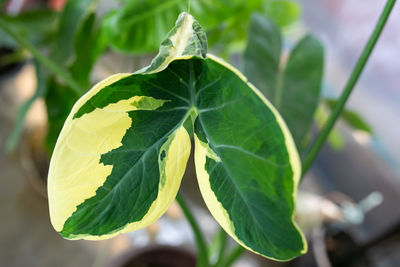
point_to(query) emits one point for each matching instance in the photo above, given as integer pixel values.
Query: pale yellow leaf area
(76, 172)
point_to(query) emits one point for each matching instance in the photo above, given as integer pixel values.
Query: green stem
(56, 69)
(202, 260)
(223, 237)
(279, 89)
(337, 110)
(235, 254)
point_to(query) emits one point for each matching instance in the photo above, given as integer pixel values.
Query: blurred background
(348, 203)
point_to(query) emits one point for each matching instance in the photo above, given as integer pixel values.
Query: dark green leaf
(299, 93)
(243, 165)
(294, 91)
(72, 17)
(89, 44)
(59, 101)
(262, 55)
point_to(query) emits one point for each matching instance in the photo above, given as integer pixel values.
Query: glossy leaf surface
(128, 139)
(247, 165)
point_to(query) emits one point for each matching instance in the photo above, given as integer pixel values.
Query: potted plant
(75, 36)
(123, 149)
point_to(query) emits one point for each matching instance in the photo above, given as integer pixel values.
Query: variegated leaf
(127, 146)
(121, 155)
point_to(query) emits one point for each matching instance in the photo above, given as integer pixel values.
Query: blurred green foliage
(294, 86)
(140, 26)
(283, 12)
(78, 35)
(77, 44)
(293, 83)
(38, 26)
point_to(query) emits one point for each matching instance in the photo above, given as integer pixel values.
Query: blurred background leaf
(294, 89)
(71, 18)
(78, 35)
(59, 101)
(300, 90)
(89, 44)
(73, 39)
(262, 56)
(37, 26)
(139, 26)
(78, 44)
(283, 12)
(351, 118)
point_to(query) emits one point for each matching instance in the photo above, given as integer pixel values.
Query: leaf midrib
(233, 182)
(212, 146)
(190, 111)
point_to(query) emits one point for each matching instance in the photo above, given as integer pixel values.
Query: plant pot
(331, 246)
(155, 256)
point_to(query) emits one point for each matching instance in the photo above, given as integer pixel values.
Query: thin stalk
(202, 257)
(279, 89)
(223, 237)
(337, 110)
(235, 254)
(43, 59)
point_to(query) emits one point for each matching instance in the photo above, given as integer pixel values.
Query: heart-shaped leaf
(121, 155)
